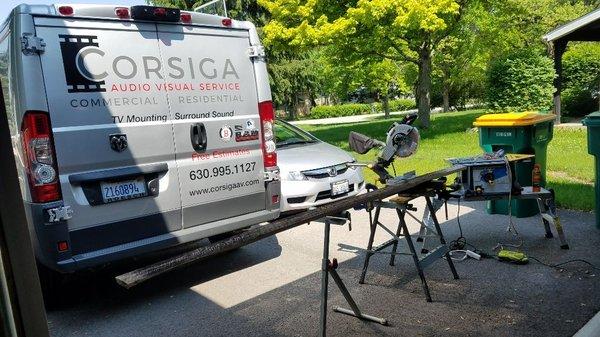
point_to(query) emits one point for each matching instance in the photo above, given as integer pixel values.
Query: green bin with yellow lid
(592, 121)
(522, 133)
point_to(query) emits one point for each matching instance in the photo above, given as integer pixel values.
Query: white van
(136, 128)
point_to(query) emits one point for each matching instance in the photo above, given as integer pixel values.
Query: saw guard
(409, 143)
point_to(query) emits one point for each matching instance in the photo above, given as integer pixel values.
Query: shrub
(578, 101)
(342, 110)
(521, 81)
(581, 79)
(402, 104)
(328, 111)
(397, 105)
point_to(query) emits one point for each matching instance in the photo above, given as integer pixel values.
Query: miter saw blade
(404, 139)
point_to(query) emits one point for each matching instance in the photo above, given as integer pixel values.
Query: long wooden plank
(143, 274)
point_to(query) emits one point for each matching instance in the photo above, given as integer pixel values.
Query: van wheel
(51, 283)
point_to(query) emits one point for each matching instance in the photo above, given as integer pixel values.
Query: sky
(7, 5)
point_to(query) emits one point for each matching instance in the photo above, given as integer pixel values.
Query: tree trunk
(559, 49)
(386, 105)
(424, 85)
(301, 104)
(446, 97)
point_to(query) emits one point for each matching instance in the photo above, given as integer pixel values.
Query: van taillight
(267, 117)
(40, 160)
(186, 17)
(226, 22)
(65, 10)
(122, 12)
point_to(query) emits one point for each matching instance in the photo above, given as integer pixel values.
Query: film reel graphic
(70, 46)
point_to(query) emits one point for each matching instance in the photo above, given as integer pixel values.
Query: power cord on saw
(511, 225)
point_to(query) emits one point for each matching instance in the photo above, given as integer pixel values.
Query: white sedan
(312, 172)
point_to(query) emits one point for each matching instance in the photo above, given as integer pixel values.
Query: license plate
(340, 187)
(123, 190)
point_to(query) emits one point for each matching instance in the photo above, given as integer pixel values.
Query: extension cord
(512, 256)
(473, 255)
(468, 253)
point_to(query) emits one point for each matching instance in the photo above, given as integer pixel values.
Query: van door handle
(198, 137)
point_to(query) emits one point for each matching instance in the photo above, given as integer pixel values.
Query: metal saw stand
(402, 207)
(328, 267)
(546, 205)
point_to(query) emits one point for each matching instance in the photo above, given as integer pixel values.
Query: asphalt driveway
(271, 288)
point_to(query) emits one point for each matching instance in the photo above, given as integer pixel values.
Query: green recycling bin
(592, 121)
(523, 133)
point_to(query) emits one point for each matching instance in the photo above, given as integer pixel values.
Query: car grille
(327, 194)
(296, 200)
(326, 172)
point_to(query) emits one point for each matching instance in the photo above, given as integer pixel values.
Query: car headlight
(296, 176)
(353, 161)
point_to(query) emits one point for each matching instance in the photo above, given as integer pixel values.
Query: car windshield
(287, 134)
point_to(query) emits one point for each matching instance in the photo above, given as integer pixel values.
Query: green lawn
(570, 167)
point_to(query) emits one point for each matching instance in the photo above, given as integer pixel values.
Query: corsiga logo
(73, 49)
(82, 76)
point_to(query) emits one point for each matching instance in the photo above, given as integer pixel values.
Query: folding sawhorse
(328, 268)
(402, 206)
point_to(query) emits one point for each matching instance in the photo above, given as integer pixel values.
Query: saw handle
(409, 119)
(360, 143)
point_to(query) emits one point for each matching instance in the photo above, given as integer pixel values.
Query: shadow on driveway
(490, 299)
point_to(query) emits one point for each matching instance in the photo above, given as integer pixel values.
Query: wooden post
(559, 47)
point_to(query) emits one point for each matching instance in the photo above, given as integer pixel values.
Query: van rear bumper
(45, 238)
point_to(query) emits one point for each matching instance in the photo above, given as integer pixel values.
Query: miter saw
(402, 141)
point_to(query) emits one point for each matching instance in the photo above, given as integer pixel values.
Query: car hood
(310, 157)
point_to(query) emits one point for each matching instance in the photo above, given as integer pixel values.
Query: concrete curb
(570, 125)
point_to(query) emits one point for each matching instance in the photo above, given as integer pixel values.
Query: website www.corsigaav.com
(224, 187)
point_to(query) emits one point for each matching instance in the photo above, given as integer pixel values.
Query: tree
(520, 82)
(508, 25)
(581, 73)
(237, 9)
(460, 61)
(345, 76)
(459, 70)
(187, 5)
(394, 30)
(291, 75)
(294, 80)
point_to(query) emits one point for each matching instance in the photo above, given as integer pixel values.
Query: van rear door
(214, 103)
(113, 130)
